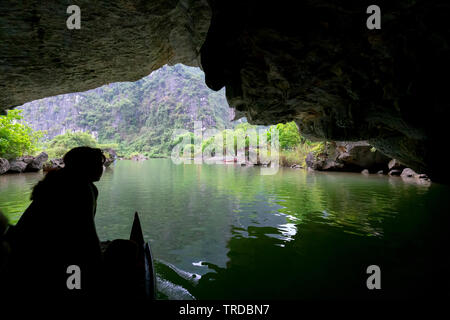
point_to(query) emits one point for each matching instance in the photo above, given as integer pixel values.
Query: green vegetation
(288, 135)
(293, 147)
(139, 116)
(59, 145)
(17, 138)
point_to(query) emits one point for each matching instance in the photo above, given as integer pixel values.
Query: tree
(59, 145)
(288, 134)
(17, 137)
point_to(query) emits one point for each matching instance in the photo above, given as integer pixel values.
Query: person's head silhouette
(85, 162)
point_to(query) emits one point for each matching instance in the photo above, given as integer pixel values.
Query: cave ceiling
(312, 62)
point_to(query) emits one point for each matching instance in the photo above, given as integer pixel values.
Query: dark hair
(82, 158)
(79, 162)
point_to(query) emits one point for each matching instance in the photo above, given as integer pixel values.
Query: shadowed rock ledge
(315, 63)
(118, 41)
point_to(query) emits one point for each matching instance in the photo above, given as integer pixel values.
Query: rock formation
(409, 175)
(394, 164)
(118, 41)
(110, 155)
(348, 156)
(53, 164)
(23, 164)
(314, 62)
(37, 163)
(17, 165)
(4, 165)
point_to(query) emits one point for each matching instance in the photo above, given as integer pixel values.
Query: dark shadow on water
(320, 263)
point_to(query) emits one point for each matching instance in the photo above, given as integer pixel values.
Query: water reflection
(15, 191)
(228, 232)
(318, 262)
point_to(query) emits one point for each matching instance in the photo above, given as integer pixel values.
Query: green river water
(228, 232)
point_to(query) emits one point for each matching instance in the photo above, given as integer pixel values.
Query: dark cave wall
(319, 65)
(314, 62)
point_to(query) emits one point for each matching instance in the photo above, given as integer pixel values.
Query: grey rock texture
(17, 166)
(4, 165)
(118, 41)
(360, 154)
(53, 164)
(409, 175)
(37, 163)
(318, 64)
(314, 62)
(27, 159)
(25, 163)
(348, 156)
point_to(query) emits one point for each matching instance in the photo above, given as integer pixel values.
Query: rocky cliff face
(140, 114)
(314, 62)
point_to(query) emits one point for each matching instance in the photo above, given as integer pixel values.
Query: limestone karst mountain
(140, 115)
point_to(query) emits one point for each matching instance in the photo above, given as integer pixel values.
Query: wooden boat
(145, 261)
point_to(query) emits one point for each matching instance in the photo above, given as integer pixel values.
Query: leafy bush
(59, 145)
(17, 138)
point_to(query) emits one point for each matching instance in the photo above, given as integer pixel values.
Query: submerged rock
(408, 173)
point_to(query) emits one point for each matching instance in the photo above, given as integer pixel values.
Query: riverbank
(23, 164)
(199, 217)
(335, 156)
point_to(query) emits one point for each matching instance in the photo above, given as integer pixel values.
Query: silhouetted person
(58, 230)
(4, 250)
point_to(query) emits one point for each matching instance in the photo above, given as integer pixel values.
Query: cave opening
(360, 115)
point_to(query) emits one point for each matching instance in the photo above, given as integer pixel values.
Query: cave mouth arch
(314, 63)
(137, 118)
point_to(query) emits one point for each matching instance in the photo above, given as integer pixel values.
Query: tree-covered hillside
(139, 116)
